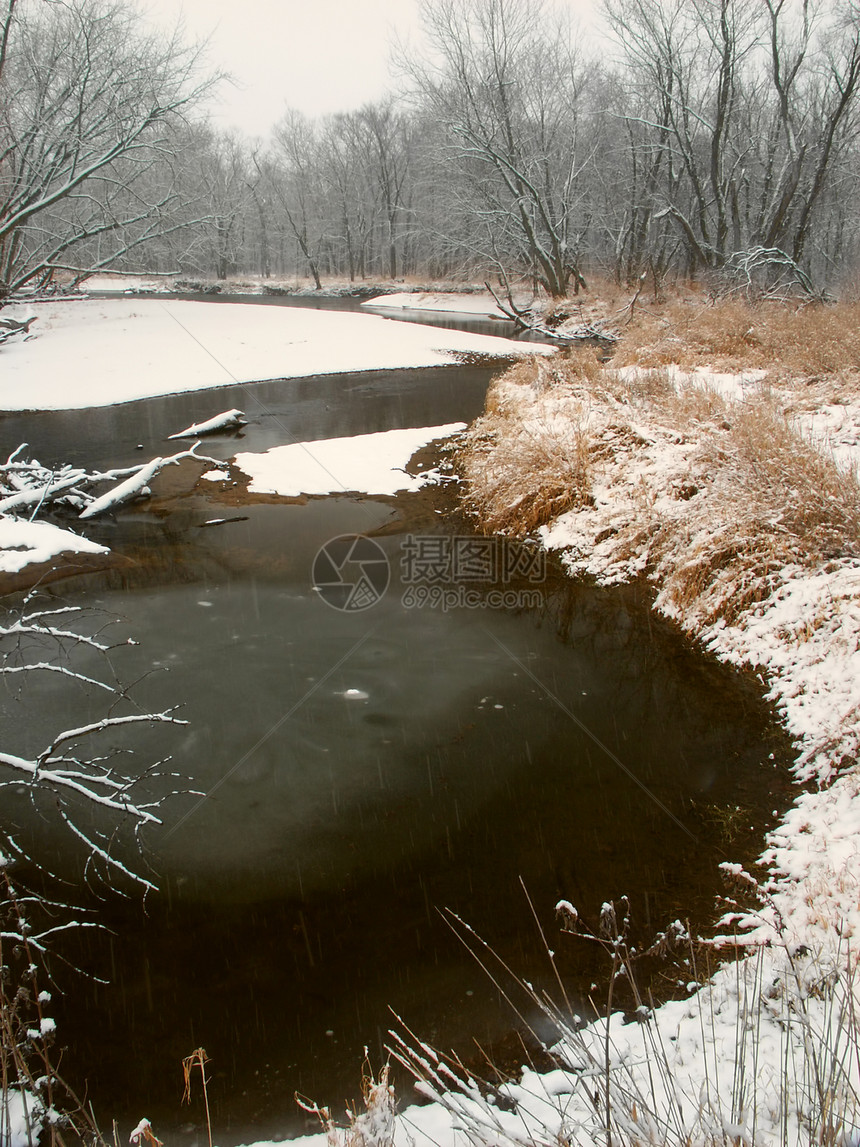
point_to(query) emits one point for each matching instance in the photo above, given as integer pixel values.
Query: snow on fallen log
(26, 487)
(125, 491)
(36, 495)
(138, 484)
(16, 324)
(227, 420)
(31, 543)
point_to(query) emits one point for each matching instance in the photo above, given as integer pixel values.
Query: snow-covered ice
(101, 352)
(369, 463)
(477, 305)
(89, 352)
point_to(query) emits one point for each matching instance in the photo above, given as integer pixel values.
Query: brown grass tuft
(525, 461)
(773, 501)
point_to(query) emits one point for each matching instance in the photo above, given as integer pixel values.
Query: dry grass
(764, 500)
(522, 473)
(712, 497)
(732, 334)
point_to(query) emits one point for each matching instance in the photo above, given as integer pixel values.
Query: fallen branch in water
(228, 420)
(28, 485)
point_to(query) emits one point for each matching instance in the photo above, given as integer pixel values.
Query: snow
(102, 352)
(833, 426)
(118, 284)
(451, 303)
(836, 428)
(131, 487)
(19, 1119)
(142, 1131)
(369, 463)
(25, 543)
(731, 386)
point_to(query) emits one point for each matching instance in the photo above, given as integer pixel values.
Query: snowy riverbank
(746, 523)
(737, 495)
(628, 473)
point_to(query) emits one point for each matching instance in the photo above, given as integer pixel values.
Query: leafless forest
(710, 139)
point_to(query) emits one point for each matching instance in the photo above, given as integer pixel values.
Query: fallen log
(125, 491)
(227, 420)
(595, 333)
(28, 485)
(11, 326)
(40, 494)
(138, 484)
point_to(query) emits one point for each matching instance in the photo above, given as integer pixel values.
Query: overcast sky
(319, 56)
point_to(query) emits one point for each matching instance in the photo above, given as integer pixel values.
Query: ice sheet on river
(370, 463)
(101, 352)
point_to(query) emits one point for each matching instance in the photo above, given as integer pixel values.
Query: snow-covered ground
(118, 284)
(833, 426)
(836, 426)
(101, 352)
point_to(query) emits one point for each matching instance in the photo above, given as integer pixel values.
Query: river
(368, 771)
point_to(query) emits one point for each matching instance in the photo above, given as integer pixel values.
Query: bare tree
(351, 195)
(292, 173)
(84, 780)
(79, 776)
(504, 79)
(745, 113)
(221, 179)
(388, 134)
(89, 101)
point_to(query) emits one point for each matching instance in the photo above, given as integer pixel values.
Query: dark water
(368, 770)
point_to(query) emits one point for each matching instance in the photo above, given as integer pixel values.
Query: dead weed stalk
(198, 1059)
(372, 1127)
(36, 1105)
(768, 1054)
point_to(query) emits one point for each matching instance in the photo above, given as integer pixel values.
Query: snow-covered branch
(26, 486)
(80, 774)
